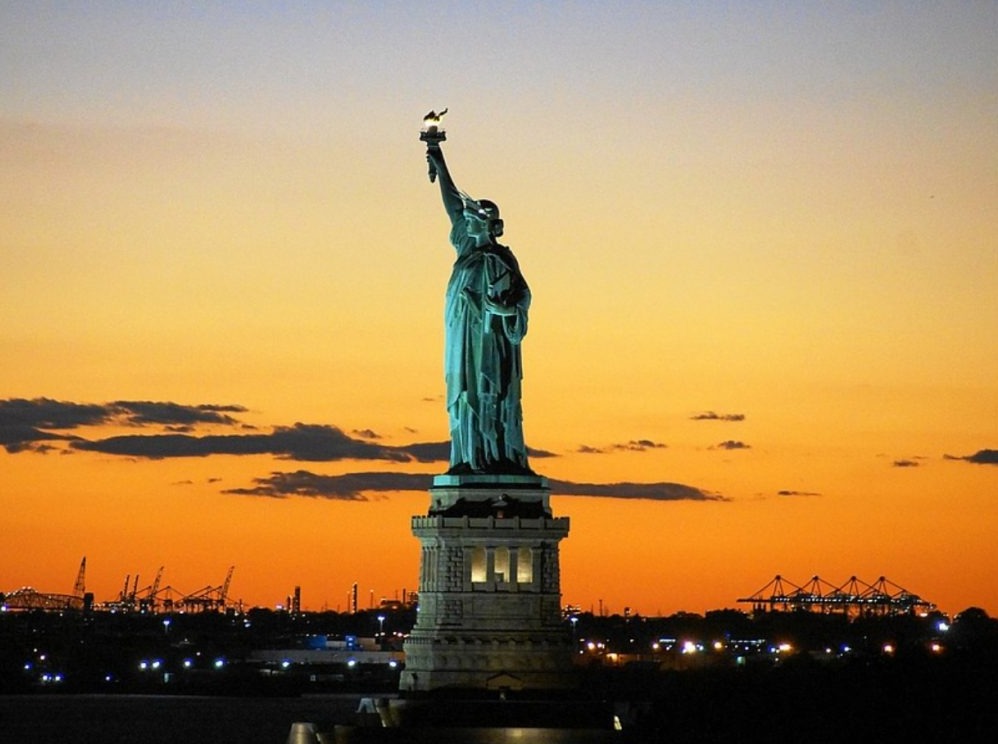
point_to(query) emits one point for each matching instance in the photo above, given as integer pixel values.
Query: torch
(432, 134)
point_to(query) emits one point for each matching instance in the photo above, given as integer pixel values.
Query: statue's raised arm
(453, 201)
(433, 134)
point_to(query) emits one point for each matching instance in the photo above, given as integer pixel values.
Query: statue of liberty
(485, 321)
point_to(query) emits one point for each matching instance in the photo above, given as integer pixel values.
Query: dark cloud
(712, 416)
(45, 413)
(46, 448)
(429, 451)
(635, 445)
(732, 444)
(24, 425)
(353, 486)
(639, 445)
(539, 453)
(349, 487)
(307, 442)
(145, 412)
(906, 463)
(981, 457)
(23, 421)
(797, 493)
(18, 438)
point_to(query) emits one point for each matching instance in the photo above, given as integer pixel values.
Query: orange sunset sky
(762, 245)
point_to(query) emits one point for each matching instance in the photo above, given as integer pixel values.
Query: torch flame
(432, 120)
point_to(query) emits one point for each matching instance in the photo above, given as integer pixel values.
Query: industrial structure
(853, 598)
(153, 598)
(28, 598)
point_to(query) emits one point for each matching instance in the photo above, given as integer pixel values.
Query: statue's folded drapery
(482, 358)
(485, 321)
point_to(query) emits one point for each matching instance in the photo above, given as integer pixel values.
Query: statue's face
(475, 225)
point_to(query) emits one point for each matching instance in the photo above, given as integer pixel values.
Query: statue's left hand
(497, 308)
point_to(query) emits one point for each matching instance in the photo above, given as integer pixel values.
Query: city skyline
(761, 243)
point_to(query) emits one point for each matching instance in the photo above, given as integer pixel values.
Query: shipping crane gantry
(854, 598)
(150, 599)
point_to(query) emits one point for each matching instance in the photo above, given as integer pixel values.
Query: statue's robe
(482, 359)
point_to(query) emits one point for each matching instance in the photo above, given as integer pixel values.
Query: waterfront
(864, 700)
(163, 719)
(725, 677)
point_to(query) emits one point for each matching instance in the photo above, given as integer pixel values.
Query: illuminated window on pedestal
(524, 566)
(478, 571)
(502, 564)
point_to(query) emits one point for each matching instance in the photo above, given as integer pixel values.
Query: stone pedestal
(489, 589)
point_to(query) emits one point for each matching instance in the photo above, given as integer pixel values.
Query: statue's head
(487, 212)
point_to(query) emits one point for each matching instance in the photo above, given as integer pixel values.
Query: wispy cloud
(732, 444)
(797, 493)
(348, 487)
(639, 445)
(145, 412)
(634, 445)
(905, 463)
(354, 486)
(625, 490)
(713, 416)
